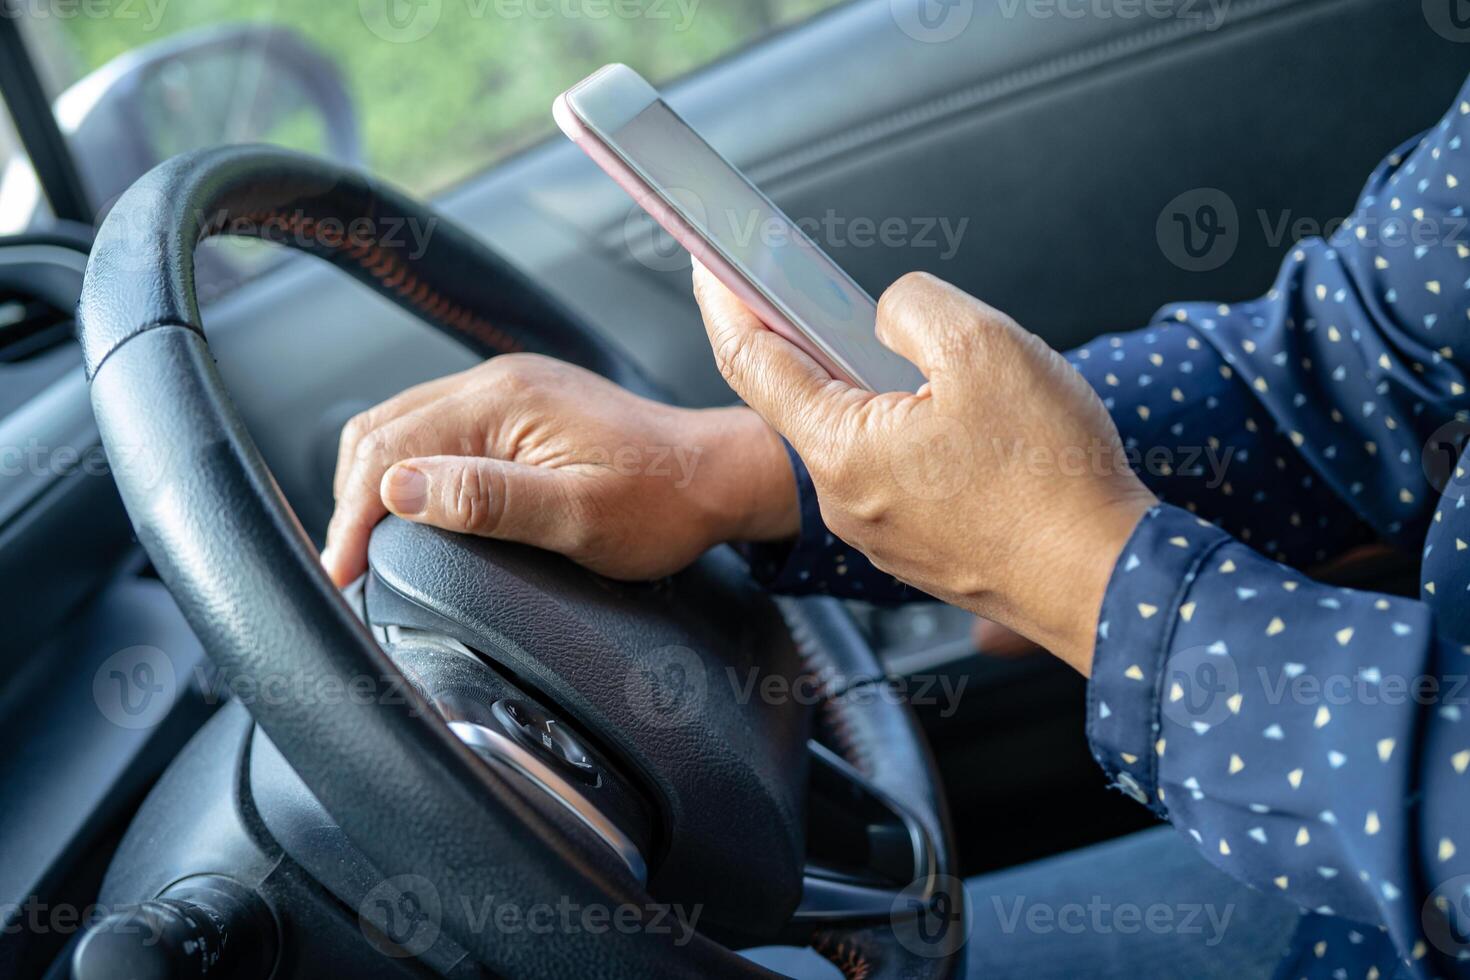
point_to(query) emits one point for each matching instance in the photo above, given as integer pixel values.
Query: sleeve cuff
(786, 566)
(1144, 600)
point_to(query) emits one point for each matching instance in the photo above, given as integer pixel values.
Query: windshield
(423, 92)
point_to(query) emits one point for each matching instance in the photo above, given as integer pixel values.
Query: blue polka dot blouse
(1312, 741)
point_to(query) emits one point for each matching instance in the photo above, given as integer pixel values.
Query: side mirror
(238, 83)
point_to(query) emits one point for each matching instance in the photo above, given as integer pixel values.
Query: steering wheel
(731, 783)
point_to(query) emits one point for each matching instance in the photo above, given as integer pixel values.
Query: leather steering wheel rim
(408, 793)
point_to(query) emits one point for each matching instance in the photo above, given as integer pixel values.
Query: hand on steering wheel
(404, 788)
(538, 451)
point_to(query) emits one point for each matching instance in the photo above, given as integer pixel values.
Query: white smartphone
(725, 222)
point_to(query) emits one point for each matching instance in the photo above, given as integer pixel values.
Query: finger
(932, 323)
(789, 389)
(345, 554)
(488, 497)
(364, 423)
(359, 505)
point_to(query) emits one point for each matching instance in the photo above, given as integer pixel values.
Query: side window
(424, 92)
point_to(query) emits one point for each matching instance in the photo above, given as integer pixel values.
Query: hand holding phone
(726, 223)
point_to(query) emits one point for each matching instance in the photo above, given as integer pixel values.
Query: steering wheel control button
(501, 750)
(538, 731)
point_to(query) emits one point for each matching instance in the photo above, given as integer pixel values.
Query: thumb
(488, 497)
(931, 323)
(774, 377)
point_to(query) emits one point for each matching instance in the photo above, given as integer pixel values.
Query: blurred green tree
(477, 86)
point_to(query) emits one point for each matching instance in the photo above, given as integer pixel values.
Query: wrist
(1069, 590)
(748, 487)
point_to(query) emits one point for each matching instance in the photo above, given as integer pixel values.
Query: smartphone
(711, 209)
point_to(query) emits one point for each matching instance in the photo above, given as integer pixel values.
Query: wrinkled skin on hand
(1000, 486)
(529, 449)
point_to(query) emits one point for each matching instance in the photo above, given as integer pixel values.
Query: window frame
(35, 124)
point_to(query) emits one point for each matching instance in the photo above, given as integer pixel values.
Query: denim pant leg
(1147, 905)
(1141, 906)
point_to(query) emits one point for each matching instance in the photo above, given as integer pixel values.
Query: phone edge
(694, 243)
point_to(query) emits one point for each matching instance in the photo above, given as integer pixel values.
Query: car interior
(148, 484)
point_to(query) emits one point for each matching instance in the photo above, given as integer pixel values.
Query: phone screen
(760, 241)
